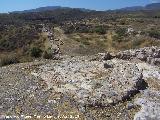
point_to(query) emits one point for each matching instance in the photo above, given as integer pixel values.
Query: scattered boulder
(142, 56)
(107, 66)
(130, 106)
(105, 56)
(150, 55)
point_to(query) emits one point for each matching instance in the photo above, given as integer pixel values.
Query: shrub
(100, 30)
(117, 38)
(154, 34)
(81, 46)
(121, 32)
(36, 52)
(47, 54)
(85, 42)
(8, 59)
(137, 43)
(123, 22)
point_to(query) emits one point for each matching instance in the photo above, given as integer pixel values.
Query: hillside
(49, 8)
(153, 6)
(85, 33)
(99, 86)
(63, 63)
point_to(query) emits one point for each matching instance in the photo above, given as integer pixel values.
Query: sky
(19, 5)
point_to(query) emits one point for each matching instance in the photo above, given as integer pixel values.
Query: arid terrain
(99, 86)
(78, 64)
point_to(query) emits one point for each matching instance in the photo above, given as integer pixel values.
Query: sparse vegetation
(100, 30)
(47, 54)
(120, 34)
(154, 34)
(8, 59)
(35, 52)
(75, 67)
(84, 30)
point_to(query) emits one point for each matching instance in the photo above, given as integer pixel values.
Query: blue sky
(17, 5)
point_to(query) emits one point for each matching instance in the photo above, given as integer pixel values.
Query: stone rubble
(150, 99)
(76, 84)
(54, 43)
(90, 82)
(150, 55)
(150, 103)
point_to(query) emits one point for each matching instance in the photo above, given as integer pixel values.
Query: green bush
(36, 52)
(117, 38)
(154, 34)
(8, 59)
(100, 30)
(121, 32)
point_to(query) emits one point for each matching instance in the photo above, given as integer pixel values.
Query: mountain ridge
(49, 8)
(152, 6)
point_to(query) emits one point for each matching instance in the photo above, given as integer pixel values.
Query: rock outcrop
(54, 49)
(90, 82)
(148, 54)
(150, 98)
(81, 85)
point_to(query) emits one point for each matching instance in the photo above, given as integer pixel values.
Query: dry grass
(154, 84)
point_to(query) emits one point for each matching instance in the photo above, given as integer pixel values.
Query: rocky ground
(98, 87)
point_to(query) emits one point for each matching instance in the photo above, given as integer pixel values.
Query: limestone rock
(105, 56)
(148, 54)
(90, 82)
(130, 106)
